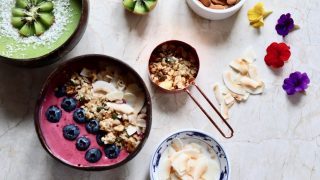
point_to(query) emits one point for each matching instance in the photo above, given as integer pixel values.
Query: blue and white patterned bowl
(195, 135)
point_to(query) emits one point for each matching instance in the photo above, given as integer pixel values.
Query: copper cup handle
(208, 116)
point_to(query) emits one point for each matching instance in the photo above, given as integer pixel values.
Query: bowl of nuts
(215, 9)
(93, 113)
(173, 68)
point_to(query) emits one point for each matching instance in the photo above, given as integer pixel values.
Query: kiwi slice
(32, 17)
(139, 6)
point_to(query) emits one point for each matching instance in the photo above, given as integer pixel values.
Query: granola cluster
(173, 67)
(112, 101)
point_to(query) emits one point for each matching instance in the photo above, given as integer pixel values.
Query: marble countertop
(276, 137)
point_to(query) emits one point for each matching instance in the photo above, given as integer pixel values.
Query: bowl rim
(60, 51)
(218, 11)
(42, 95)
(187, 130)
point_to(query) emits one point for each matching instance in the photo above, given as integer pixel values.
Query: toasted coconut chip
(258, 90)
(240, 65)
(217, 93)
(231, 80)
(250, 83)
(225, 110)
(139, 102)
(103, 86)
(228, 99)
(86, 72)
(131, 130)
(124, 108)
(130, 98)
(253, 72)
(115, 95)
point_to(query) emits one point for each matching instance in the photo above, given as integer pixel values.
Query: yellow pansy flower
(257, 14)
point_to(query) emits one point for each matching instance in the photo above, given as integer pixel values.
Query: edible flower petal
(277, 54)
(296, 82)
(285, 25)
(257, 14)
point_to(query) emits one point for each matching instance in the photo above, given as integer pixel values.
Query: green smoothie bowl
(35, 33)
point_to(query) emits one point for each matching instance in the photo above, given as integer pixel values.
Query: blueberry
(60, 91)
(71, 132)
(92, 126)
(99, 136)
(82, 143)
(93, 155)
(112, 151)
(53, 114)
(69, 104)
(79, 115)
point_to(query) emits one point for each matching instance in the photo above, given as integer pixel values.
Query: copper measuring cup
(195, 60)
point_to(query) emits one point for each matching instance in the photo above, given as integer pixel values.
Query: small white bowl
(197, 136)
(213, 14)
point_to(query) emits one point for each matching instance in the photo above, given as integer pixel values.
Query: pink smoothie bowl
(50, 134)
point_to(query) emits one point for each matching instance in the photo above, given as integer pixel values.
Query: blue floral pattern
(224, 165)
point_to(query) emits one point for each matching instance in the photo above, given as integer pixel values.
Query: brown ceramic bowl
(50, 135)
(59, 52)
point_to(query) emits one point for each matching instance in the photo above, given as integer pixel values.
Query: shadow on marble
(295, 99)
(214, 32)
(277, 72)
(136, 23)
(168, 102)
(19, 87)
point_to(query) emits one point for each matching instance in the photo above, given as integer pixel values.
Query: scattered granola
(173, 67)
(114, 101)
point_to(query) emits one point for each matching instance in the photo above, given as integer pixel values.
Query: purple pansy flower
(285, 24)
(297, 82)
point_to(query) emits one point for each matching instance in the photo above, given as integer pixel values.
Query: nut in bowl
(215, 9)
(93, 113)
(189, 154)
(173, 68)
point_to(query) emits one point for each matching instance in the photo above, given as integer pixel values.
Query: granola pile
(115, 102)
(173, 67)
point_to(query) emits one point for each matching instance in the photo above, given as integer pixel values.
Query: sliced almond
(231, 81)
(217, 93)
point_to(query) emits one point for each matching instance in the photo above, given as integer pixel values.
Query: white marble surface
(276, 137)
